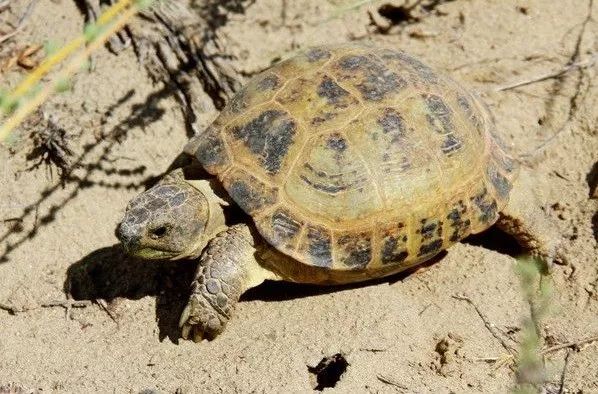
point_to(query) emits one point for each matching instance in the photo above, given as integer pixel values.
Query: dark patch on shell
(356, 250)
(238, 103)
(426, 73)
(251, 195)
(375, 81)
(285, 226)
(165, 191)
(430, 248)
(390, 254)
(318, 120)
(392, 122)
(439, 112)
(211, 151)
(473, 117)
(177, 199)
(329, 183)
(487, 207)
(394, 245)
(427, 229)
(139, 215)
(460, 227)
(268, 136)
(375, 88)
(319, 247)
(352, 62)
(431, 235)
(500, 183)
(333, 93)
(337, 142)
(268, 83)
(156, 204)
(451, 144)
(326, 188)
(315, 54)
(320, 174)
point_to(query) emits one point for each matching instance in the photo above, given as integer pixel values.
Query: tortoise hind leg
(524, 219)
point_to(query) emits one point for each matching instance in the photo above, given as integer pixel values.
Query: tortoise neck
(215, 221)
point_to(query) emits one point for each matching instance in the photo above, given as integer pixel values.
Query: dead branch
(10, 309)
(391, 381)
(489, 326)
(67, 304)
(555, 74)
(570, 345)
(564, 373)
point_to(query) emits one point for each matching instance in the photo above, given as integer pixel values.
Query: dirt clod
(329, 371)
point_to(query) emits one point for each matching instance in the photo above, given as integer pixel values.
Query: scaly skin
(227, 268)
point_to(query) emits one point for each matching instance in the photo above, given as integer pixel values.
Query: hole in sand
(396, 14)
(496, 240)
(329, 371)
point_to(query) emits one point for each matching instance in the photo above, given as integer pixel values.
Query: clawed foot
(222, 276)
(200, 320)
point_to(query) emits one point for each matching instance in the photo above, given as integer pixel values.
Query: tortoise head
(172, 220)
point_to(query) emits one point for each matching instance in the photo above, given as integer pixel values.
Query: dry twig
(67, 304)
(555, 74)
(564, 373)
(489, 326)
(572, 344)
(391, 381)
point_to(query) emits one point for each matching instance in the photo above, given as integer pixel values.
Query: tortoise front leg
(524, 219)
(227, 268)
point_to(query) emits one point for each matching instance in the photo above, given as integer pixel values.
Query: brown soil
(405, 334)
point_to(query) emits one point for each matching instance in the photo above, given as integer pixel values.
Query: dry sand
(388, 331)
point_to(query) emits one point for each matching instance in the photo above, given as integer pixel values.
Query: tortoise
(350, 162)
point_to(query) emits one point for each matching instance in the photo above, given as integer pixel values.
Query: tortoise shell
(356, 157)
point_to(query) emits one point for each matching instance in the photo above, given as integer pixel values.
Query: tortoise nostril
(127, 234)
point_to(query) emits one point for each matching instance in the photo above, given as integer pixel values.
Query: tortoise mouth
(151, 253)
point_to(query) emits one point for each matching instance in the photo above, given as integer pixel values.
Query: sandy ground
(61, 242)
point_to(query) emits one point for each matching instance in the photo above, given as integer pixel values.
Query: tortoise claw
(185, 330)
(192, 332)
(198, 335)
(199, 320)
(185, 316)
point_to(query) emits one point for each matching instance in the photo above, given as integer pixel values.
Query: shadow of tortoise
(109, 273)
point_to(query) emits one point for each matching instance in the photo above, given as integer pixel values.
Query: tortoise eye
(159, 232)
